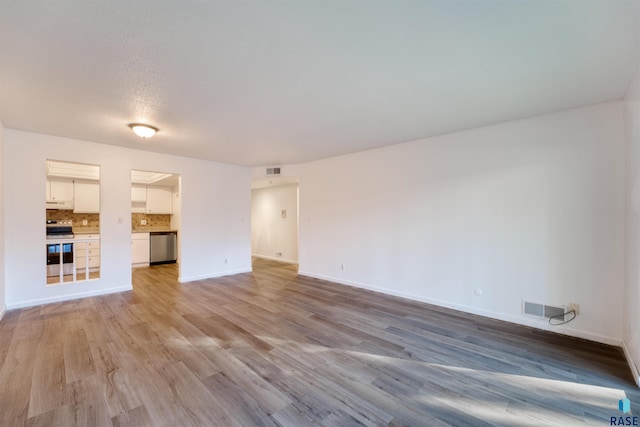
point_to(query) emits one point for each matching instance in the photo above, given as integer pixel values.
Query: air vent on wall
(543, 311)
(273, 171)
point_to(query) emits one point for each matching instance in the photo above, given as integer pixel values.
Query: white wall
(3, 206)
(631, 328)
(527, 210)
(270, 233)
(176, 217)
(215, 210)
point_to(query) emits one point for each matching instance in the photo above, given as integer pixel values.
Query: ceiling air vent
(273, 171)
(543, 311)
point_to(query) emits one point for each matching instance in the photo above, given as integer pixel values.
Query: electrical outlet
(278, 253)
(574, 307)
(143, 222)
(85, 222)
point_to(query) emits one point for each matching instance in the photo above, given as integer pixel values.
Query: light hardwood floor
(271, 348)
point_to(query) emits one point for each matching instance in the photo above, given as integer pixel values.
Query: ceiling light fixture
(143, 131)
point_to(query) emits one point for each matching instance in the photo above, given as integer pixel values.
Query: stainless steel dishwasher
(163, 247)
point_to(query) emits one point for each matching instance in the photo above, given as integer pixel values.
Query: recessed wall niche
(72, 222)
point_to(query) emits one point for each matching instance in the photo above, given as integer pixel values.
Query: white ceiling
(278, 82)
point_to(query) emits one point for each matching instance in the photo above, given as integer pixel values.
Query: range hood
(60, 204)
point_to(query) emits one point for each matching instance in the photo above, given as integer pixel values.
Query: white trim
(31, 303)
(538, 324)
(634, 368)
(141, 264)
(212, 275)
(3, 311)
(272, 258)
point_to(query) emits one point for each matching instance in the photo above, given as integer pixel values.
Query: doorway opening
(73, 222)
(274, 220)
(156, 208)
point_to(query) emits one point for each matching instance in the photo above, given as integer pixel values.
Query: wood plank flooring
(271, 348)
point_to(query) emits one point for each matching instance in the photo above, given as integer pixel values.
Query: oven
(54, 252)
(59, 254)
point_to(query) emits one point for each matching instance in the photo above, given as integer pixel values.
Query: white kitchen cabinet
(88, 251)
(86, 197)
(138, 193)
(59, 190)
(138, 198)
(140, 249)
(94, 237)
(81, 262)
(159, 200)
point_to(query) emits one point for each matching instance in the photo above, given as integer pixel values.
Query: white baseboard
(67, 297)
(185, 279)
(3, 311)
(631, 362)
(538, 324)
(273, 258)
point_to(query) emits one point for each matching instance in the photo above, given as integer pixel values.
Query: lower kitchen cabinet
(140, 249)
(88, 251)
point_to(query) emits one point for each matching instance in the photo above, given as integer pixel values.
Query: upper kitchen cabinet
(86, 196)
(159, 200)
(60, 190)
(138, 198)
(138, 193)
(73, 186)
(152, 192)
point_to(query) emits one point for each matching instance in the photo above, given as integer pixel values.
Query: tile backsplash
(154, 221)
(93, 220)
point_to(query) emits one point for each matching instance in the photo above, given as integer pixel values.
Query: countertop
(90, 230)
(75, 239)
(86, 230)
(155, 230)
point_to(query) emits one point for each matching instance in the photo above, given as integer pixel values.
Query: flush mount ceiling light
(143, 131)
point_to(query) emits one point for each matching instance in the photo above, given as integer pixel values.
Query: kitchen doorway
(275, 219)
(156, 208)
